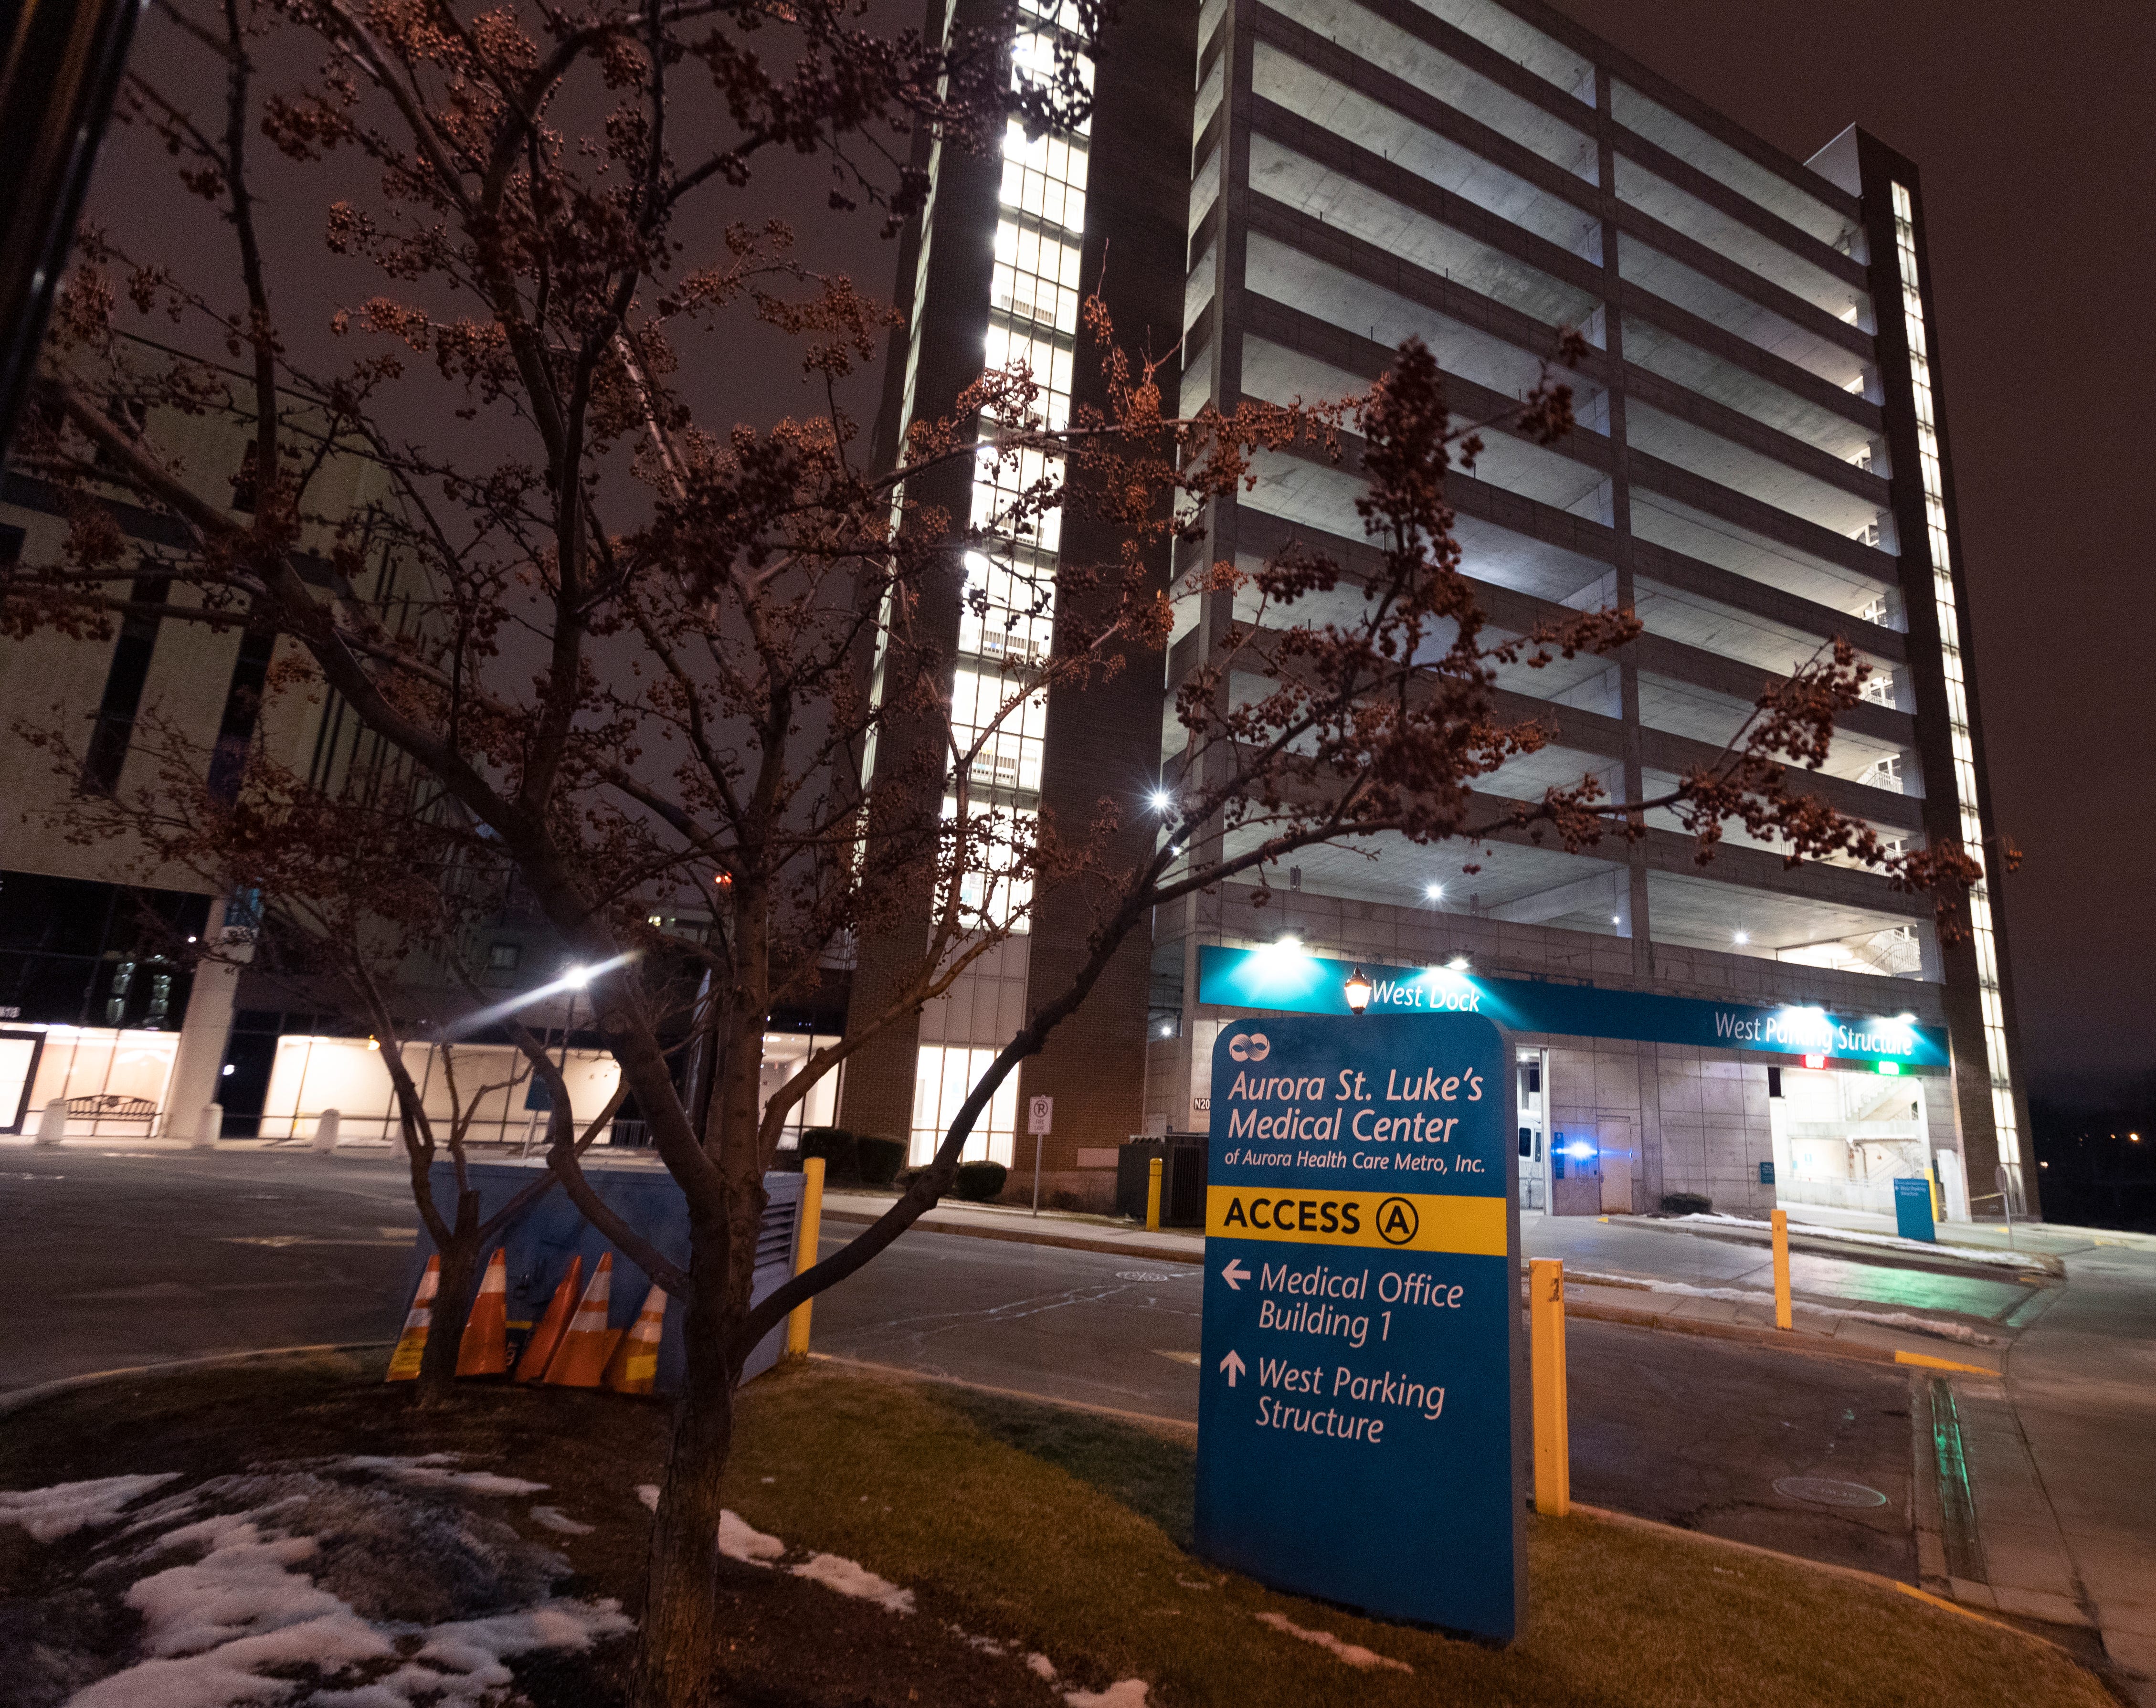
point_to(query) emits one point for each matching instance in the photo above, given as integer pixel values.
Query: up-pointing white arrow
(1235, 1274)
(1233, 1365)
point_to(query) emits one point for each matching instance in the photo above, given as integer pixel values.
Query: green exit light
(1888, 1068)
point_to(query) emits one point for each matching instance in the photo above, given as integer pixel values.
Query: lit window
(945, 1076)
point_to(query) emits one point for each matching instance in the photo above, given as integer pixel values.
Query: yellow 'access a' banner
(1385, 1221)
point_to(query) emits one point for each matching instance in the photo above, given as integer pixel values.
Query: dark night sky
(2029, 126)
(2028, 123)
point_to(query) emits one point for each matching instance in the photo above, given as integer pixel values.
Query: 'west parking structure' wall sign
(1361, 1404)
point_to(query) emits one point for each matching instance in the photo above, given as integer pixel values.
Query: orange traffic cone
(411, 1344)
(635, 1366)
(581, 1359)
(484, 1349)
(532, 1366)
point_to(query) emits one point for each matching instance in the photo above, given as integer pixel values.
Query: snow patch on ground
(429, 1470)
(64, 1508)
(554, 1519)
(648, 1493)
(1125, 1693)
(1889, 1242)
(1353, 1653)
(848, 1577)
(232, 1672)
(1043, 1667)
(249, 1601)
(739, 1539)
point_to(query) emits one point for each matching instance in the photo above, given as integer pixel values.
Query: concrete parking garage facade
(1759, 469)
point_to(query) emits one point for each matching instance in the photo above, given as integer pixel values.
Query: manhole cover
(1144, 1275)
(1824, 1492)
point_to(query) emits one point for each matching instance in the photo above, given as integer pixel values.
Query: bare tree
(664, 656)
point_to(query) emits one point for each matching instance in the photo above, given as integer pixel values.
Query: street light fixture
(1358, 991)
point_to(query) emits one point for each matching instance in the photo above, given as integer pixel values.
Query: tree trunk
(453, 1303)
(680, 1637)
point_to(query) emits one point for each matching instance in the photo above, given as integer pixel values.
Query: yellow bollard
(1553, 1416)
(804, 1251)
(1152, 1195)
(1781, 1268)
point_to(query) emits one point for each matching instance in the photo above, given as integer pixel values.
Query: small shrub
(978, 1183)
(878, 1160)
(1686, 1204)
(835, 1145)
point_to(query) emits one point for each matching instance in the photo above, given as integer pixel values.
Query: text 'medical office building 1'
(1758, 468)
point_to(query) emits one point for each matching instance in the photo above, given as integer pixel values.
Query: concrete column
(206, 1033)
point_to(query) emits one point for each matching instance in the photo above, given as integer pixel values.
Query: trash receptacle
(1181, 1179)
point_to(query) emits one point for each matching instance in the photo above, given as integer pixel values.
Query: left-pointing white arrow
(1235, 1274)
(1233, 1365)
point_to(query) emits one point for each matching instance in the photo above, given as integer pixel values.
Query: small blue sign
(1361, 1404)
(1283, 978)
(1912, 1209)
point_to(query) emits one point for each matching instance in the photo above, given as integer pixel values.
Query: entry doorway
(1534, 1129)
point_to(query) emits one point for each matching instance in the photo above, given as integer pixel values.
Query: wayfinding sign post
(1362, 1407)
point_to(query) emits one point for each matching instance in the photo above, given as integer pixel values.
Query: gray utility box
(1182, 1180)
(539, 1244)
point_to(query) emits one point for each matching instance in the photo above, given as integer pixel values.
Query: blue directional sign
(1362, 1409)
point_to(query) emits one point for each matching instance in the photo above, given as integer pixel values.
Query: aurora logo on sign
(1282, 976)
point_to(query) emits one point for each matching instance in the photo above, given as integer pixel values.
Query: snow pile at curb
(1354, 1654)
(49, 1514)
(1959, 1332)
(1890, 1242)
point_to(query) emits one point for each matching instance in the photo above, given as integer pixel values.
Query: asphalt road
(114, 1258)
(119, 1259)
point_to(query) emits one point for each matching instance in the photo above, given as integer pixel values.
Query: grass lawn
(1044, 1529)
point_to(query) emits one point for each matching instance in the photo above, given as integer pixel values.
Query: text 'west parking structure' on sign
(1362, 1381)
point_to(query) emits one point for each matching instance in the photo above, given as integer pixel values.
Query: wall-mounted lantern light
(1358, 991)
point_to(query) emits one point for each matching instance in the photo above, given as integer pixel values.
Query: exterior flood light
(1742, 938)
(576, 977)
(1162, 800)
(1459, 963)
(1358, 989)
(1435, 892)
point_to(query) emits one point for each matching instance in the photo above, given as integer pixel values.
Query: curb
(1775, 1340)
(1625, 1521)
(1019, 1236)
(23, 1397)
(1149, 1419)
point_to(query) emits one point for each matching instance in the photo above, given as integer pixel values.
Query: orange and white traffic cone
(581, 1359)
(634, 1366)
(411, 1344)
(484, 1349)
(532, 1366)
